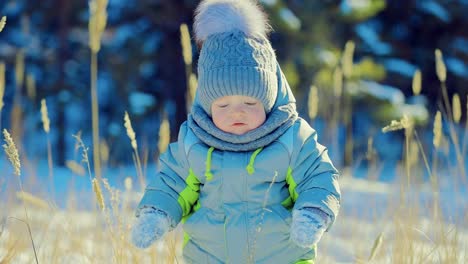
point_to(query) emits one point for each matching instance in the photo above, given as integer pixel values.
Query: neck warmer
(277, 122)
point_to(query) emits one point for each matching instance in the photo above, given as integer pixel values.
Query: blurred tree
(142, 70)
(407, 35)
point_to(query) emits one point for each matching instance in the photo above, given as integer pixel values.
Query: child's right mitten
(150, 225)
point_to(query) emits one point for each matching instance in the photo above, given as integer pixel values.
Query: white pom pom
(218, 16)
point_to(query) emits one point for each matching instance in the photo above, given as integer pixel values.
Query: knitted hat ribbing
(235, 58)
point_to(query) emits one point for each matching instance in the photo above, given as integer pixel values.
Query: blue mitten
(150, 225)
(308, 226)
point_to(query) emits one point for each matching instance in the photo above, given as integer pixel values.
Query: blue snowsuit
(235, 206)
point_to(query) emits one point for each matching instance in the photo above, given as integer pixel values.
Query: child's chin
(239, 132)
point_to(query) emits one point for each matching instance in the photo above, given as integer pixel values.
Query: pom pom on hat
(218, 16)
(236, 58)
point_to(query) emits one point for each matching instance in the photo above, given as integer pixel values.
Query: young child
(246, 177)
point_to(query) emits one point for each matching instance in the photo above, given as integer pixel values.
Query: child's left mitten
(149, 227)
(308, 226)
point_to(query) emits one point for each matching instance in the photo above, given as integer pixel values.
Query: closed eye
(250, 103)
(222, 106)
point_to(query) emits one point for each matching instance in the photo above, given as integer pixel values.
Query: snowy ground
(370, 210)
(373, 209)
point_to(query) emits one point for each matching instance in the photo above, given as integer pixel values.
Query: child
(246, 177)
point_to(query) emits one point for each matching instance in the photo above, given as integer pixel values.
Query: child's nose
(239, 109)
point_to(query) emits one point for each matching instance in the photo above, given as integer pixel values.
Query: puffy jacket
(236, 206)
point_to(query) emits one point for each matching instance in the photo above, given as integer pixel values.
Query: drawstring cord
(250, 167)
(208, 173)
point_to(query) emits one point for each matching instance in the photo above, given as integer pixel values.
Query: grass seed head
(12, 152)
(441, 70)
(2, 23)
(186, 44)
(164, 135)
(130, 131)
(417, 82)
(45, 116)
(313, 102)
(2, 83)
(98, 192)
(456, 108)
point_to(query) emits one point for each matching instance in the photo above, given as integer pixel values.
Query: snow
(436, 9)
(457, 66)
(400, 66)
(347, 6)
(383, 92)
(290, 19)
(371, 38)
(369, 209)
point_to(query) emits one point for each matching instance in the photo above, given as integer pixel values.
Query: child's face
(237, 114)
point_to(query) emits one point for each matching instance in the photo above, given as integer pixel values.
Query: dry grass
(2, 23)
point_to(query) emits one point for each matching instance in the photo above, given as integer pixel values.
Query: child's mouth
(238, 124)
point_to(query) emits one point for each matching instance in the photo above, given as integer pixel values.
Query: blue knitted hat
(236, 58)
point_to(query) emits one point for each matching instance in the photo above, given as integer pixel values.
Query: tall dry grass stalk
(376, 247)
(437, 139)
(19, 70)
(456, 108)
(2, 84)
(193, 82)
(75, 167)
(12, 152)
(441, 70)
(2, 88)
(100, 201)
(338, 82)
(259, 228)
(313, 102)
(13, 156)
(96, 26)
(84, 153)
(442, 75)
(17, 111)
(31, 87)
(45, 116)
(104, 152)
(33, 200)
(336, 106)
(408, 126)
(347, 63)
(417, 82)
(347, 59)
(136, 156)
(465, 136)
(408, 235)
(372, 158)
(186, 44)
(97, 23)
(396, 125)
(46, 126)
(164, 135)
(2, 23)
(98, 193)
(437, 130)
